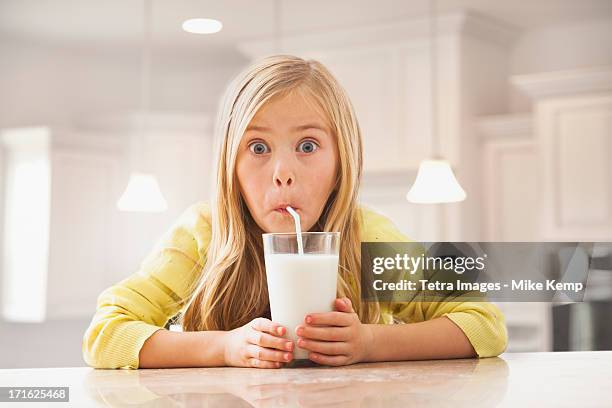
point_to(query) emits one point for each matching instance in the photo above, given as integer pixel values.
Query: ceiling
(118, 23)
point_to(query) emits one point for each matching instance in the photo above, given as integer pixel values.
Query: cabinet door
(511, 191)
(82, 230)
(575, 136)
(389, 89)
(369, 77)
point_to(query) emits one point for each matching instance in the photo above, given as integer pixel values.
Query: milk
(298, 285)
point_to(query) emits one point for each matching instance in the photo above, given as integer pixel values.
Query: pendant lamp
(142, 193)
(435, 182)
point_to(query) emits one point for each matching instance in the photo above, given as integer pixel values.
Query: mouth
(283, 209)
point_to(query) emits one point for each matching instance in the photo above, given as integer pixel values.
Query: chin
(281, 225)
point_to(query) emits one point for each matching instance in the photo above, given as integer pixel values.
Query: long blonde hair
(232, 289)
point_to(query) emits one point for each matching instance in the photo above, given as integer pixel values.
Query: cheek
(249, 180)
(322, 175)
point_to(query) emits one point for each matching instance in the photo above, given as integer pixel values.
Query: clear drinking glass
(299, 284)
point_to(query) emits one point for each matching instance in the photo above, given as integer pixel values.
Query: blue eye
(308, 146)
(258, 148)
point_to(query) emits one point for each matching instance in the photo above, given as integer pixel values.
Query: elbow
(90, 353)
(498, 348)
(94, 359)
(497, 343)
(502, 341)
(100, 350)
(92, 349)
(498, 333)
(91, 361)
(501, 336)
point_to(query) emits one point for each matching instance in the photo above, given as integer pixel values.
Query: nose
(284, 174)
(283, 178)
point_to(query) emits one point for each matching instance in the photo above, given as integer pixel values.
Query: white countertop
(514, 379)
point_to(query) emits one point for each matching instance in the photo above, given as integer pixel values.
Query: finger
(344, 305)
(253, 362)
(268, 326)
(325, 347)
(263, 339)
(329, 360)
(262, 353)
(329, 319)
(328, 333)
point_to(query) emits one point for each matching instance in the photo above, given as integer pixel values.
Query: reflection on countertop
(513, 379)
(452, 382)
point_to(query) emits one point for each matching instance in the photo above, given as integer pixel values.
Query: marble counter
(514, 379)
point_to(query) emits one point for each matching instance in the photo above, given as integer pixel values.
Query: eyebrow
(306, 126)
(258, 128)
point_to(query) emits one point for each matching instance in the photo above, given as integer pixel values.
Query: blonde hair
(232, 289)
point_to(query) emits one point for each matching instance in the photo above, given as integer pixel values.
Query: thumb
(344, 305)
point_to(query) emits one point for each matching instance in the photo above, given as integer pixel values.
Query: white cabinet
(83, 229)
(576, 138)
(548, 176)
(511, 187)
(510, 178)
(376, 98)
(553, 182)
(573, 128)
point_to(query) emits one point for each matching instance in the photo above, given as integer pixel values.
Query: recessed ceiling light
(202, 26)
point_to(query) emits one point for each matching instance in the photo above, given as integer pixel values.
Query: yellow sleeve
(482, 322)
(129, 312)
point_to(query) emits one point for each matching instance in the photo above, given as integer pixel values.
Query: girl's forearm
(166, 349)
(433, 339)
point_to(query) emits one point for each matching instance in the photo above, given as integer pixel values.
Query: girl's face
(287, 156)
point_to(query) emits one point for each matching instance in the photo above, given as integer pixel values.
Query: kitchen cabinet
(573, 130)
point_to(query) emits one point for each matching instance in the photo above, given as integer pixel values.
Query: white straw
(298, 229)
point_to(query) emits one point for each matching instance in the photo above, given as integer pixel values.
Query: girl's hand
(335, 338)
(258, 344)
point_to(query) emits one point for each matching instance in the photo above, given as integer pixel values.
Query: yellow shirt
(131, 311)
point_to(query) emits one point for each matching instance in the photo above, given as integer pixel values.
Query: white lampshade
(435, 183)
(142, 194)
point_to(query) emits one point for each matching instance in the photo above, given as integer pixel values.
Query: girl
(287, 135)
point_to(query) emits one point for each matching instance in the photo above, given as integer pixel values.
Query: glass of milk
(300, 280)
